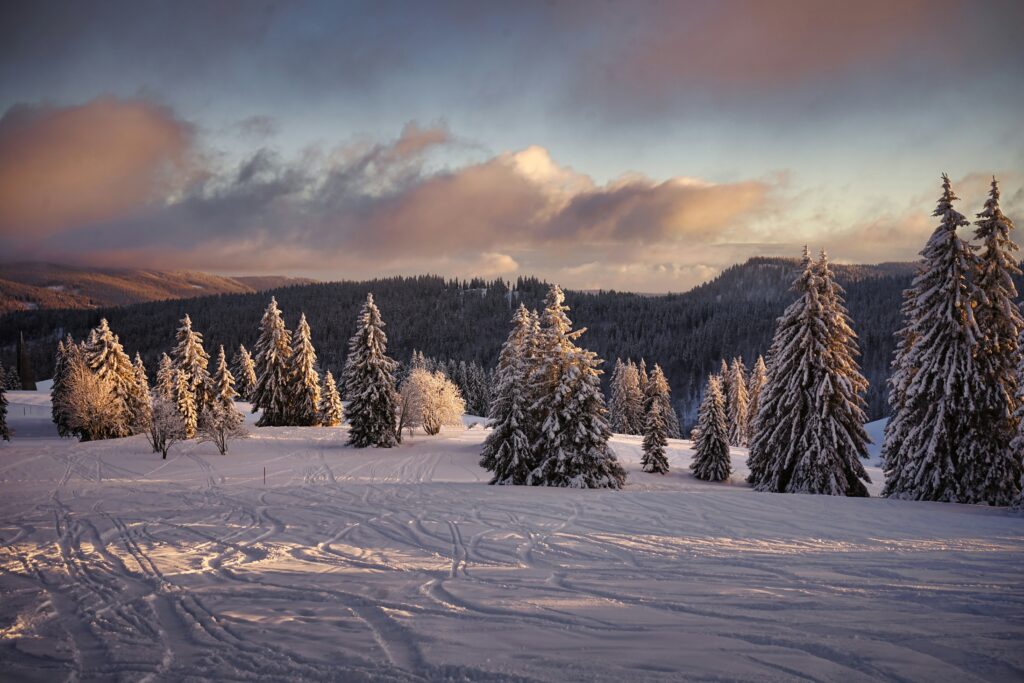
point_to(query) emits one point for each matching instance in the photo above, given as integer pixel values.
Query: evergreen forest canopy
(687, 334)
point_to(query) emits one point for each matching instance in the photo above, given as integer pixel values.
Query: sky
(636, 145)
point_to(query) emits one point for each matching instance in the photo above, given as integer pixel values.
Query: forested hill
(32, 286)
(468, 320)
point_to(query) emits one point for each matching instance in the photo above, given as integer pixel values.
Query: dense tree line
(465, 321)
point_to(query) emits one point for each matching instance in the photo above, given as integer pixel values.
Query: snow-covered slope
(403, 565)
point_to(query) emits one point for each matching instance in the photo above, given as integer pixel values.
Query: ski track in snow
(403, 565)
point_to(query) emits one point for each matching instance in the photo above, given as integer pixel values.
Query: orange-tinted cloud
(65, 167)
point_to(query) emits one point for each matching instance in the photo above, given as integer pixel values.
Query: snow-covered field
(404, 565)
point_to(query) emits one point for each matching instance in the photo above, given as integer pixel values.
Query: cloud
(368, 208)
(65, 167)
(123, 188)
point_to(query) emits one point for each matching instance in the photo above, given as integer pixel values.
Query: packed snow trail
(402, 564)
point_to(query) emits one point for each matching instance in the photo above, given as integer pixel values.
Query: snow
(401, 564)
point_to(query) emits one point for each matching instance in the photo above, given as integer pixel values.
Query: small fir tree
(166, 378)
(139, 403)
(190, 357)
(656, 425)
(304, 380)
(223, 382)
(330, 410)
(245, 373)
(758, 377)
(738, 401)
(711, 448)
(370, 382)
(273, 352)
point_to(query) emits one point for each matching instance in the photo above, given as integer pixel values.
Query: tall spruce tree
(656, 424)
(507, 450)
(370, 382)
(809, 436)
(331, 412)
(190, 357)
(104, 356)
(245, 373)
(711, 450)
(738, 401)
(273, 352)
(223, 382)
(993, 476)
(930, 439)
(572, 446)
(304, 380)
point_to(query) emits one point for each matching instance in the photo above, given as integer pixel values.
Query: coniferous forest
(686, 334)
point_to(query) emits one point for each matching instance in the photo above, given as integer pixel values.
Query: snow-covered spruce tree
(190, 357)
(507, 452)
(166, 426)
(658, 407)
(711, 449)
(810, 436)
(185, 402)
(222, 383)
(572, 446)
(661, 392)
(140, 409)
(330, 409)
(273, 351)
(994, 474)
(738, 401)
(104, 355)
(166, 377)
(245, 373)
(758, 376)
(303, 378)
(5, 432)
(370, 382)
(931, 440)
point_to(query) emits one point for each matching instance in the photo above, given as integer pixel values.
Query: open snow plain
(404, 565)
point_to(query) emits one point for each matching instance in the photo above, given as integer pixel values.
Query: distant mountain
(688, 333)
(32, 286)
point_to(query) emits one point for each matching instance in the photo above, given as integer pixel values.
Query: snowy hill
(402, 564)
